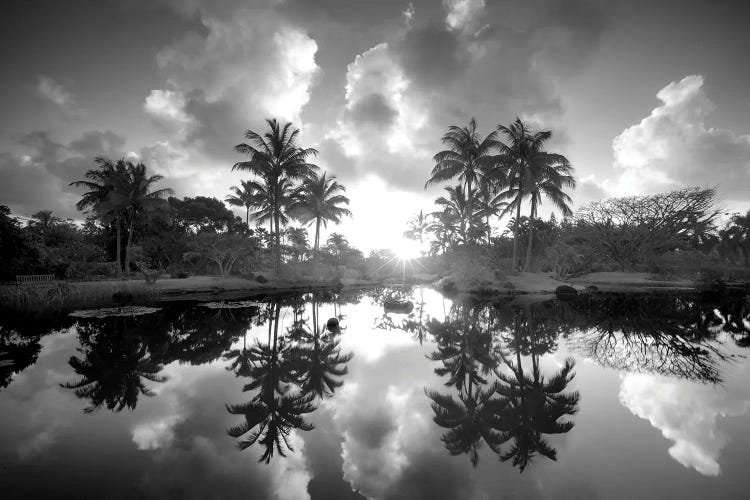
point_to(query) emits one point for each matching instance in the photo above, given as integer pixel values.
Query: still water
(605, 396)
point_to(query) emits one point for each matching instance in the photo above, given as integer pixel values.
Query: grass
(71, 296)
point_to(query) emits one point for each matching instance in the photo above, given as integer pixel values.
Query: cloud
(674, 147)
(463, 14)
(240, 70)
(402, 94)
(687, 414)
(54, 92)
(39, 179)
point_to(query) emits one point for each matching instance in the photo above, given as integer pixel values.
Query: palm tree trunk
(531, 235)
(470, 210)
(247, 216)
(317, 234)
(515, 229)
(128, 246)
(489, 230)
(278, 243)
(118, 230)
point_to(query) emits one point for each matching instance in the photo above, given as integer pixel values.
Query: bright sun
(408, 250)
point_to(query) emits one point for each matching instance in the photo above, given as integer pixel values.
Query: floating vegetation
(108, 312)
(236, 304)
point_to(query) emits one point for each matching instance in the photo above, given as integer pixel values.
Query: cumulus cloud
(674, 147)
(687, 414)
(54, 92)
(242, 69)
(402, 94)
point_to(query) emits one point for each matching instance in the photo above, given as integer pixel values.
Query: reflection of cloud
(687, 414)
(155, 434)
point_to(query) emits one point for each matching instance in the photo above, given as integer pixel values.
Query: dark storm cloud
(373, 109)
(432, 55)
(39, 179)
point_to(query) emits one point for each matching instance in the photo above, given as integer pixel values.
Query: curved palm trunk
(247, 215)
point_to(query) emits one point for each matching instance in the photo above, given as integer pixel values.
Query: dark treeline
(509, 171)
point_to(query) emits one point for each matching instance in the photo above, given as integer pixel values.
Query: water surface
(607, 396)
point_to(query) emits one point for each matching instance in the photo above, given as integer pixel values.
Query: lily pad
(237, 304)
(108, 312)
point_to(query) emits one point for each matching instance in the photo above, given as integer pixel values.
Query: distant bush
(679, 263)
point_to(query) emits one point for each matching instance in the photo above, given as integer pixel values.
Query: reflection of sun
(408, 250)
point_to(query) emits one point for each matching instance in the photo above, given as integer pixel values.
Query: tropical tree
(738, 234)
(417, 227)
(489, 203)
(467, 157)
(463, 211)
(517, 155)
(133, 195)
(277, 161)
(319, 200)
(546, 176)
(337, 244)
(245, 196)
(100, 184)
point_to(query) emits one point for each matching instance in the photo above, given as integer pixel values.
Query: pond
(411, 395)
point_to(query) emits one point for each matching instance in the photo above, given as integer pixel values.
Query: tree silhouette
(114, 367)
(318, 200)
(246, 196)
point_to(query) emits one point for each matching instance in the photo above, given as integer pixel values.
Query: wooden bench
(34, 279)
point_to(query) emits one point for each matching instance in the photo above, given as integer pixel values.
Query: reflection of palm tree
(274, 416)
(532, 407)
(471, 418)
(113, 371)
(274, 410)
(318, 360)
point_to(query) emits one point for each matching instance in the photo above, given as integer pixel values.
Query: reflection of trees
(287, 374)
(115, 365)
(17, 353)
(521, 406)
(665, 334)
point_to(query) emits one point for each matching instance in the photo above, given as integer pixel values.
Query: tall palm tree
(276, 160)
(467, 158)
(547, 175)
(318, 200)
(515, 159)
(132, 193)
(100, 184)
(245, 196)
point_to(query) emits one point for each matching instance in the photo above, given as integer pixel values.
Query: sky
(641, 97)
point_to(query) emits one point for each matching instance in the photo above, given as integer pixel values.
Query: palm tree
(277, 160)
(489, 203)
(417, 227)
(461, 209)
(467, 158)
(101, 183)
(132, 194)
(318, 201)
(738, 234)
(515, 159)
(547, 175)
(246, 196)
(43, 220)
(337, 243)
